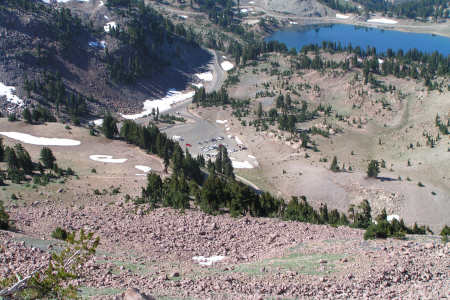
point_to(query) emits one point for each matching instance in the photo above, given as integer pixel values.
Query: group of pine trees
(19, 165)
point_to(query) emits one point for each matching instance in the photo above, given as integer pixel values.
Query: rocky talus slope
(264, 258)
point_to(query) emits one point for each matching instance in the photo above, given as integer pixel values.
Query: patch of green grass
(127, 265)
(302, 263)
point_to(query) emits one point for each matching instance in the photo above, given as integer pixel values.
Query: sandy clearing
(40, 141)
(382, 20)
(227, 66)
(143, 168)
(208, 76)
(7, 91)
(242, 165)
(107, 158)
(172, 97)
(221, 121)
(207, 261)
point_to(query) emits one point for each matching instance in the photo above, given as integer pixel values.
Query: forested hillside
(81, 56)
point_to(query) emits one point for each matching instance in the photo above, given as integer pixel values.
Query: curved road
(196, 129)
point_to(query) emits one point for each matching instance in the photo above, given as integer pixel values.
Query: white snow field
(344, 17)
(382, 20)
(112, 24)
(40, 141)
(227, 66)
(143, 169)
(107, 158)
(242, 165)
(7, 91)
(207, 261)
(208, 76)
(163, 104)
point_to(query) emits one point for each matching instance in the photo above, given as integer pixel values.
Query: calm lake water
(361, 36)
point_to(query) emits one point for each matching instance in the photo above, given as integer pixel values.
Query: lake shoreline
(307, 33)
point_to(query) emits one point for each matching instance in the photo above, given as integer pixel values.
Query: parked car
(199, 143)
(189, 145)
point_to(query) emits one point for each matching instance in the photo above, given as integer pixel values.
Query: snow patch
(251, 156)
(382, 20)
(293, 23)
(40, 141)
(101, 4)
(208, 76)
(228, 128)
(97, 122)
(221, 121)
(163, 104)
(339, 16)
(112, 24)
(107, 158)
(143, 168)
(207, 261)
(227, 66)
(238, 141)
(391, 217)
(242, 165)
(183, 17)
(380, 61)
(106, 17)
(7, 91)
(198, 85)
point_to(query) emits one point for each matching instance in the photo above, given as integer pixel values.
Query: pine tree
(373, 169)
(27, 116)
(334, 165)
(47, 157)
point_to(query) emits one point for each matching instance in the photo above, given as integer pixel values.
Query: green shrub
(96, 192)
(4, 218)
(67, 127)
(13, 196)
(70, 171)
(59, 234)
(94, 171)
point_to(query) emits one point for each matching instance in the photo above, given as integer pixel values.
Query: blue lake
(361, 36)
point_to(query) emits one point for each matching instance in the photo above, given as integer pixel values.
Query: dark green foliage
(11, 117)
(13, 196)
(41, 114)
(47, 157)
(373, 169)
(445, 231)
(59, 234)
(94, 171)
(4, 218)
(214, 99)
(334, 165)
(109, 127)
(384, 229)
(2, 150)
(53, 281)
(26, 115)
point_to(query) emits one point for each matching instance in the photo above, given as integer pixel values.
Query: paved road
(196, 129)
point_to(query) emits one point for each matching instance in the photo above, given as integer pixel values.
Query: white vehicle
(220, 138)
(178, 112)
(177, 138)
